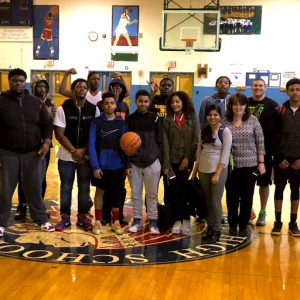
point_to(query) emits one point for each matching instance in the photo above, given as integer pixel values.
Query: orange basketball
(130, 142)
(54, 9)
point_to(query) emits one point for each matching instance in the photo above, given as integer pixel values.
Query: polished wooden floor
(267, 269)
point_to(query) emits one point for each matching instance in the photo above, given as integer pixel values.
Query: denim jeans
(67, 170)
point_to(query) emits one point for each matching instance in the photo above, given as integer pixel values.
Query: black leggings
(239, 195)
(176, 192)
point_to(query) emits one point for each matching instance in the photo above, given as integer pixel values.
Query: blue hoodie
(104, 143)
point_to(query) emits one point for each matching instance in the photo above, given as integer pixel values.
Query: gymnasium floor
(267, 268)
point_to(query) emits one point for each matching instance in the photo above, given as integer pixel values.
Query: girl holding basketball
(180, 136)
(107, 161)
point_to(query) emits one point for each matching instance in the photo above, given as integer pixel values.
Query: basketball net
(189, 51)
(188, 46)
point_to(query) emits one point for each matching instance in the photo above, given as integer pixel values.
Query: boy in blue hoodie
(107, 160)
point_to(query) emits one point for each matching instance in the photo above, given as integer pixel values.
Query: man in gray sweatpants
(25, 137)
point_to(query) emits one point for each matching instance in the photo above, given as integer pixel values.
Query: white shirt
(94, 99)
(60, 121)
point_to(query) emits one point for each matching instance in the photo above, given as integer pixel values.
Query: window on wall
(106, 76)
(104, 81)
(4, 84)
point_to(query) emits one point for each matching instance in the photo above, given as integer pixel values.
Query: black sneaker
(64, 223)
(243, 231)
(20, 213)
(293, 230)
(212, 237)
(84, 222)
(277, 228)
(123, 221)
(232, 231)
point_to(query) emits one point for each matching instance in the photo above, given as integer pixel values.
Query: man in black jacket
(25, 137)
(287, 157)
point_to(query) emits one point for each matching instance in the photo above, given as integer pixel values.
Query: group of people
(259, 135)
(233, 144)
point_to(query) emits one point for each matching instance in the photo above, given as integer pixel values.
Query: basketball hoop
(189, 43)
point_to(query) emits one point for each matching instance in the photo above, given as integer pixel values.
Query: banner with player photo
(125, 33)
(46, 32)
(236, 20)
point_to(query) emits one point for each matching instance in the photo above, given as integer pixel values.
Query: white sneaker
(97, 228)
(186, 227)
(47, 227)
(176, 227)
(1, 231)
(154, 228)
(137, 226)
(51, 52)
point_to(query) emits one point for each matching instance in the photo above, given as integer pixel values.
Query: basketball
(130, 142)
(54, 9)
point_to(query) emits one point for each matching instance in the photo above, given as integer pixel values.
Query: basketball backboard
(196, 30)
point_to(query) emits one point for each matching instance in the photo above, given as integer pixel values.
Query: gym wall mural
(125, 33)
(46, 32)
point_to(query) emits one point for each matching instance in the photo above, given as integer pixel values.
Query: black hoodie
(23, 123)
(122, 107)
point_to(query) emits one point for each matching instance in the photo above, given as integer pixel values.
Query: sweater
(247, 142)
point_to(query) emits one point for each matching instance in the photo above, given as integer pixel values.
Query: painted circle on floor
(74, 246)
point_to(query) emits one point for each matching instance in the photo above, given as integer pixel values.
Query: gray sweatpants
(30, 169)
(150, 177)
(213, 197)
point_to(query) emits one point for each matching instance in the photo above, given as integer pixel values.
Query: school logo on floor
(74, 246)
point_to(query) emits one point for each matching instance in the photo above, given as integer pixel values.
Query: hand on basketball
(97, 174)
